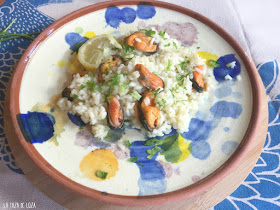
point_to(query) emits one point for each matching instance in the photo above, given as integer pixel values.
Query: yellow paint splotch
(60, 116)
(207, 56)
(184, 147)
(89, 34)
(61, 63)
(99, 159)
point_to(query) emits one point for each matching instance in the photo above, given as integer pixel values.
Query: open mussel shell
(143, 117)
(196, 86)
(115, 118)
(131, 40)
(66, 94)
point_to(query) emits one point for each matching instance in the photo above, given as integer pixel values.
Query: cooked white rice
(177, 101)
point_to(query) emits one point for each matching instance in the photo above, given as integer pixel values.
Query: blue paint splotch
(226, 129)
(223, 92)
(200, 149)
(152, 175)
(198, 130)
(74, 40)
(145, 12)
(226, 109)
(229, 147)
(222, 71)
(38, 127)
(76, 119)
(114, 15)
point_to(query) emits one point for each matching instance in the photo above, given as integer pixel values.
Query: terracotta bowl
(42, 73)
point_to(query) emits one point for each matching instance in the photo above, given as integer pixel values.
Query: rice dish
(173, 63)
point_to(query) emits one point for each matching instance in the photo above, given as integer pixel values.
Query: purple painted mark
(119, 152)
(37, 127)
(195, 178)
(186, 32)
(85, 138)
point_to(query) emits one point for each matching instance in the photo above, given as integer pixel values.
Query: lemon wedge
(96, 49)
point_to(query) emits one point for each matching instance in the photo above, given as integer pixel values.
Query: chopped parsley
(133, 159)
(127, 144)
(167, 45)
(115, 80)
(154, 73)
(136, 95)
(180, 79)
(75, 96)
(162, 33)
(183, 65)
(124, 86)
(168, 66)
(99, 89)
(152, 152)
(198, 48)
(162, 102)
(155, 92)
(82, 86)
(214, 63)
(175, 45)
(91, 85)
(101, 174)
(141, 164)
(106, 70)
(91, 75)
(110, 97)
(149, 32)
(114, 48)
(128, 49)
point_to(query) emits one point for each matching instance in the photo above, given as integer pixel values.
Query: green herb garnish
(175, 45)
(110, 97)
(152, 152)
(183, 65)
(162, 102)
(167, 45)
(162, 33)
(141, 164)
(75, 96)
(136, 95)
(91, 75)
(99, 89)
(5, 36)
(101, 174)
(127, 144)
(133, 159)
(214, 63)
(149, 32)
(82, 86)
(124, 86)
(154, 73)
(115, 80)
(91, 85)
(127, 49)
(168, 66)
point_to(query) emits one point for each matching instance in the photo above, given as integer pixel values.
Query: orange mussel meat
(115, 116)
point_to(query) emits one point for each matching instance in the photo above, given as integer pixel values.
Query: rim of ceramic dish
(160, 199)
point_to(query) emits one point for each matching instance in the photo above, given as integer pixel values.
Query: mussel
(140, 41)
(109, 65)
(148, 79)
(146, 111)
(197, 80)
(115, 116)
(66, 93)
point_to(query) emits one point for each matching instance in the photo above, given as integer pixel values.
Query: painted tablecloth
(254, 24)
